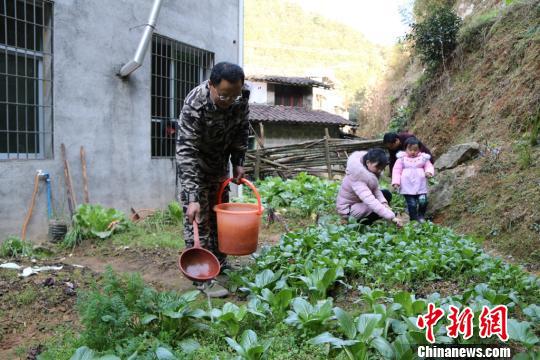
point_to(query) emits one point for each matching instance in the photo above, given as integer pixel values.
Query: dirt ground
(34, 308)
(157, 266)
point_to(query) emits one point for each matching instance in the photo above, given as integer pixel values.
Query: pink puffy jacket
(359, 194)
(410, 173)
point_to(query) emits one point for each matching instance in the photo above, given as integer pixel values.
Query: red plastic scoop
(197, 263)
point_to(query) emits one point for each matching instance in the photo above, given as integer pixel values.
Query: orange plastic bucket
(238, 223)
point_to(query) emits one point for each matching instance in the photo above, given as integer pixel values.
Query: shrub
(400, 120)
(434, 38)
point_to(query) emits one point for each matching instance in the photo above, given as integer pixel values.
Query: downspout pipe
(240, 63)
(138, 59)
(241, 33)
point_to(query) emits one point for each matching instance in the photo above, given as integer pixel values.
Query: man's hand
(395, 186)
(238, 173)
(193, 212)
(429, 175)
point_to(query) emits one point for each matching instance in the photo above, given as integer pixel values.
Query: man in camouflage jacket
(213, 128)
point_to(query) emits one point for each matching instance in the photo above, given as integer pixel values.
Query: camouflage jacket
(207, 136)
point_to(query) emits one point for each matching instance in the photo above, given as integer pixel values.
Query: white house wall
(329, 100)
(258, 92)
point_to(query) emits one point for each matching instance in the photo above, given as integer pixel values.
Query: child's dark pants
(416, 205)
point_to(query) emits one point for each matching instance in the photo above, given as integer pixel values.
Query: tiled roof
(286, 80)
(293, 114)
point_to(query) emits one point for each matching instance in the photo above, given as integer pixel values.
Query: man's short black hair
(378, 156)
(390, 138)
(228, 71)
(412, 141)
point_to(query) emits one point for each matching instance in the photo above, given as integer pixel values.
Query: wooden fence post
(72, 202)
(260, 146)
(257, 162)
(327, 153)
(261, 130)
(85, 176)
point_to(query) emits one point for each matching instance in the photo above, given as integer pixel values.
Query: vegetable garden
(328, 290)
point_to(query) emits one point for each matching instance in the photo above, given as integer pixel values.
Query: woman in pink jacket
(410, 176)
(359, 195)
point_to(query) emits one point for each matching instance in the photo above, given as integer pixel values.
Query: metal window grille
(176, 69)
(26, 29)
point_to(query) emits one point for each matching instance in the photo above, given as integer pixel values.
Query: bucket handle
(243, 181)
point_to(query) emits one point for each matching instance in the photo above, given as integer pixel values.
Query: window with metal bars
(26, 28)
(176, 69)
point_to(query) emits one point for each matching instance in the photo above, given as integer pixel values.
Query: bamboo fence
(324, 156)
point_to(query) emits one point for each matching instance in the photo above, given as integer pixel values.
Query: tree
(435, 38)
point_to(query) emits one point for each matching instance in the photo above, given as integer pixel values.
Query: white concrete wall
(258, 92)
(329, 100)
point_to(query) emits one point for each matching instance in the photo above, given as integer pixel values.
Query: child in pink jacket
(410, 175)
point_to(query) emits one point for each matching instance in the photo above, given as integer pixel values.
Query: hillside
(489, 92)
(281, 38)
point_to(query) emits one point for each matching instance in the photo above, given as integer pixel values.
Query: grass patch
(168, 236)
(15, 247)
(9, 275)
(500, 204)
(162, 229)
(524, 154)
(473, 33)
(25, 297)
(535, 128)
(161, 219)
(62, 345)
